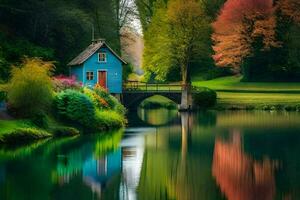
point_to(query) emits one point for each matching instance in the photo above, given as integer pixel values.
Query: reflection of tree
(179, 169)
(108, 143)
(207, 118)
(238, 175)
(157, 117)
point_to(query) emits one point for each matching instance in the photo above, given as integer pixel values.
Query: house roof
(90, 50)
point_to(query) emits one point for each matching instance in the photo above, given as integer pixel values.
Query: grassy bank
(158, 102)
(234, 94)
(20, 131)
(234, 84)
(23, 131)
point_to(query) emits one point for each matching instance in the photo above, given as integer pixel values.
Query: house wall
(113, 66)
(77, 71)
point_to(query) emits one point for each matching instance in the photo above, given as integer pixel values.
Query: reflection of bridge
(135, 92)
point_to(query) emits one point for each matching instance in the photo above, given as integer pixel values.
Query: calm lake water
(164, 155)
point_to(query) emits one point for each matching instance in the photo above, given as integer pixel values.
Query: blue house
(98, 64)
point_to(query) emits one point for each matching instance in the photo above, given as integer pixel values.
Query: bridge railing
(151, 87)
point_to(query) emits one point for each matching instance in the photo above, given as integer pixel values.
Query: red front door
(102, 78)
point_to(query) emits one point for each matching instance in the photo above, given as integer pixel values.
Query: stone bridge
(135, 92)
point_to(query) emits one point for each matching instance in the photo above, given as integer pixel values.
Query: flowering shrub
(99, 101)
(100, 88)
(62, 82)
(104, 100)
(100, 91)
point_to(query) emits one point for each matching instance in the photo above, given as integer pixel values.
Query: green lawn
(234, 84)
(7, 126)
(232, 92)
(258, 98)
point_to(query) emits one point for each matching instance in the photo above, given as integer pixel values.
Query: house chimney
(98, 40)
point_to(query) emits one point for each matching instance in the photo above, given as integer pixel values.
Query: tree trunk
(186, 95)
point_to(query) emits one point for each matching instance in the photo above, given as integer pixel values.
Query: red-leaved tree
(240, 24)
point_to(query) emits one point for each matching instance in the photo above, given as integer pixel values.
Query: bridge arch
(131, 100)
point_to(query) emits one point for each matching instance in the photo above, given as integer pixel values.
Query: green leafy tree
(160, 59)
(187, 26)
(146, 10)
(157, 55)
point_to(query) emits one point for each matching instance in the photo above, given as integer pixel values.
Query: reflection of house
(239, 176)
(132, 161)
(97, 172)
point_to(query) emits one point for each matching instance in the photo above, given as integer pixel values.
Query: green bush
(65, 131)
(30, 89)
(40, 120)
(290, 108)
(108, 119)
(117, 106)
(204, 97)
(22, 135)
(74, 106)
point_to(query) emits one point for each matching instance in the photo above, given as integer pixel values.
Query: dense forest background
(259, 39)
(55, 30)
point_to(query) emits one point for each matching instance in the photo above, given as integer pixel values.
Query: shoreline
(22, 131)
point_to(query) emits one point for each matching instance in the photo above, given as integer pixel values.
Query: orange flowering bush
(103, 100)
(99, 101)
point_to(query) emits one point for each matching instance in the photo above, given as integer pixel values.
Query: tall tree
(288, 12)
(187, 27)
(243, 28)
(146, 9)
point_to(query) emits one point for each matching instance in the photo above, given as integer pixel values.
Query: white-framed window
(89, 76)
(102, 57)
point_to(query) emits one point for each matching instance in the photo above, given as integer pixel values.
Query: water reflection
(207, 155)
(132, 154)
(157, 117)
(238, 175)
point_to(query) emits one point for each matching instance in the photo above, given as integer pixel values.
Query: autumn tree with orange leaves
(243, 28)
(259, 38)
